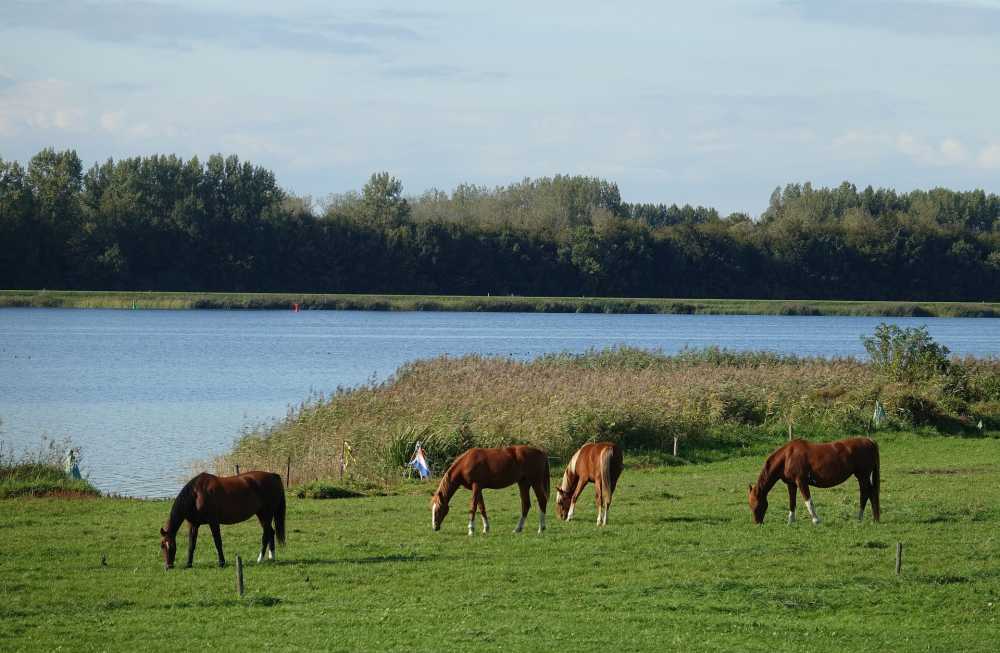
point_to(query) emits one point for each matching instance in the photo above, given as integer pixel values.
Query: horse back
(586, 462)
(499, 467)
(233, 499)
(831, 463)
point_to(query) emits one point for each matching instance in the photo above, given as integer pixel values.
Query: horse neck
(182, 507)
(769, 474)
(447, 487)
(569, 480)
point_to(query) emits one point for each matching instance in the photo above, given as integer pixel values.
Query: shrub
(906, 354)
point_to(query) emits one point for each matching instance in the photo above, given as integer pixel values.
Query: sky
(713, 103)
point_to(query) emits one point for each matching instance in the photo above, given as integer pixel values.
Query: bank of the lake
(508, 304)
(679, 563)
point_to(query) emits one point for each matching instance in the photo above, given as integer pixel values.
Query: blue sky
(712, 103)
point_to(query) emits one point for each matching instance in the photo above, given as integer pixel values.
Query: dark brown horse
(600, 463)
(215, 500)
(801, 464)
(480, 469)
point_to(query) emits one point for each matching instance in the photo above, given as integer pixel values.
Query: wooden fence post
(288, 472)
(675, 446)
(237, 470)
(899, 557)
(239, 576)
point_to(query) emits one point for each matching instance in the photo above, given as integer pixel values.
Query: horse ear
(163, 533)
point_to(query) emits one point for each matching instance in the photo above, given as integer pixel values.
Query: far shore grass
(499, 304)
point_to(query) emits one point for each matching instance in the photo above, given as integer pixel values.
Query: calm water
(146, 393)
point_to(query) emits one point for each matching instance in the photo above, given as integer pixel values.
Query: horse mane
(182, 505)
(767, 477)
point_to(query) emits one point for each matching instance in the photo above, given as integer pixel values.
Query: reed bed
(716, 403)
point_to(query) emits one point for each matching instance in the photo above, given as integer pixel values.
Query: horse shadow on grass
(367, 560)
(691, 519)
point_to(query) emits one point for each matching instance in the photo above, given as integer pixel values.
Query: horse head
(168, 544)
(758, 505)
(563, 502)
(439, 510)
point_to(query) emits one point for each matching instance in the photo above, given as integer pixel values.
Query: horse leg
(577, 491)
(192, 540)
(266, 537)
(599, 500)
(542, 495)
(472, 509)
(525, 505)
(791, 502)
(217, 537)
(804, 489)
(482, 513)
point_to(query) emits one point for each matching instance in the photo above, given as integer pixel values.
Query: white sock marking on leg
(791, 516)
(486, 525)
(812, 511)
(472, 523)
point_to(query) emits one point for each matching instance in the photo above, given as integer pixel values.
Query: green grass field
(308, 301)
(680, 567)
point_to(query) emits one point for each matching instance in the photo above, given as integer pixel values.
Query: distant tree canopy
(163, 223)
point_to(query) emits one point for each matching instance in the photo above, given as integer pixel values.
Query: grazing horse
(600, 463)
(801, 464)
(480, 469)
(214, 500)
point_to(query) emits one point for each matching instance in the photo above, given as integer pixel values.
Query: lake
(147, 394)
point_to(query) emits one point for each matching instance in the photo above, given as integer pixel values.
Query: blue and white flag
(419, 462)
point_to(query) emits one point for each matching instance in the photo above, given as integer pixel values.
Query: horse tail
(876, 479)
(547, 479)
(606, 476)
(279, 514)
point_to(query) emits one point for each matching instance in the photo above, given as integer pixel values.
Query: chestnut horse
(600, 463)
(801, 464)
(480, 469)
(214, 500)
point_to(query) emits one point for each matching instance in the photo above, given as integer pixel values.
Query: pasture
(679, 567)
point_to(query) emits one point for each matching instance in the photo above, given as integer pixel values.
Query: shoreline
(128, 300)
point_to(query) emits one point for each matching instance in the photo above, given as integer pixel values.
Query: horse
(800, 464)
(600, 463)
(214, 500)
(479, 469)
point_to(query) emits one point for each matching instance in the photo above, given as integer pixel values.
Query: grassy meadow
(679, 567)
(371, 302)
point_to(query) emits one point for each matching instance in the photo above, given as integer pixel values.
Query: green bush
(906, 354)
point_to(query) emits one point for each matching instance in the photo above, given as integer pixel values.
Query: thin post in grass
(239, 576)
(288, 472)
(899, 557)
(237, 469)
(675, 445)
(789, 432)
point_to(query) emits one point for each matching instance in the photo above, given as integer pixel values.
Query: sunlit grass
(680, 567)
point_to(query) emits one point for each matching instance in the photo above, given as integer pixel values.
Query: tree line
(165, 223)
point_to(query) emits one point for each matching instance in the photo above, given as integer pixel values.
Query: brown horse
(801, 464)
(479, 469)
(215, 500)
(600, 463)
